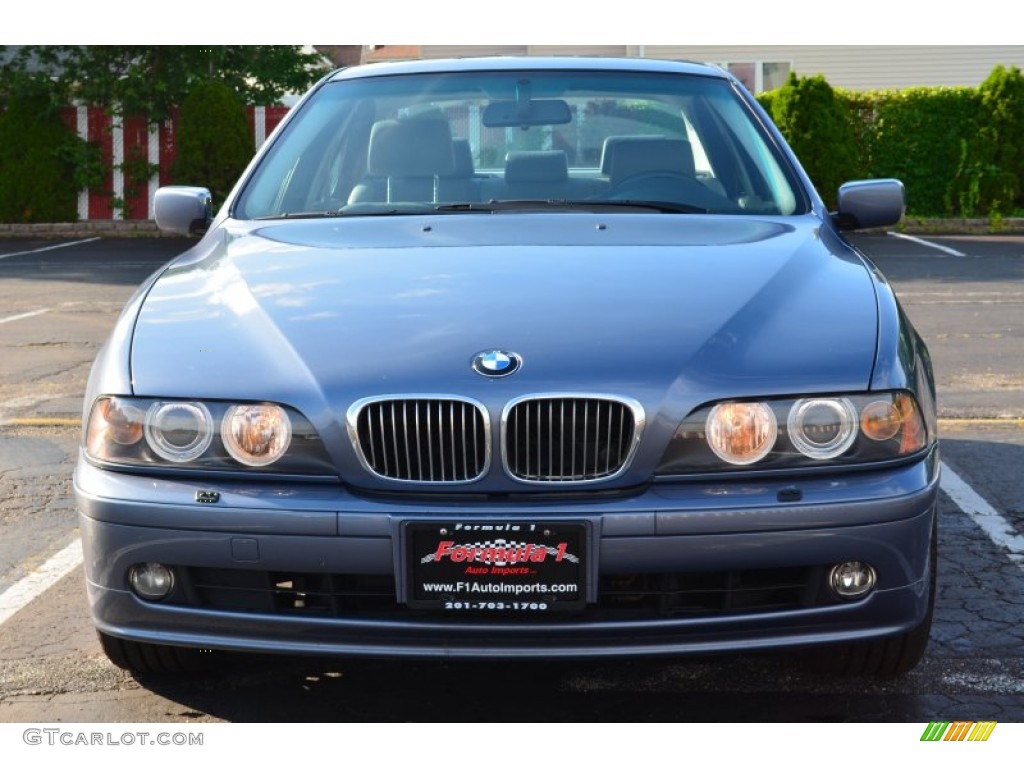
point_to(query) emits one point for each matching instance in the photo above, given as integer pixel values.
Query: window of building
(759, 76)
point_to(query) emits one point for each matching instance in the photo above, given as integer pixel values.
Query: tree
(817, 126)
(150, 80)
(43, 164)
(214, 144)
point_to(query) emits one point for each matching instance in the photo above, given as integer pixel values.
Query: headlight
(824, 431)
(741, 433)
(256, 435)
(822, 428)
(208, 435)
(113, 422)
(880, 420)
(179, 432)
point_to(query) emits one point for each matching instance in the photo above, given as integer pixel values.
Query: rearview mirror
(526, 112)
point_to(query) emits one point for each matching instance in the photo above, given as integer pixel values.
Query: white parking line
(41, 579)
(984, 514)
(22, 316)
(47, 248)
(927, 243)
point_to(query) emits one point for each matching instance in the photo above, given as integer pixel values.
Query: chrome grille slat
(569, 438)
(561, 443)
(419, 449)
(421, 438)
(405, 435)
(551, 432)
(430, 446)
(572, 443)
(465, 466)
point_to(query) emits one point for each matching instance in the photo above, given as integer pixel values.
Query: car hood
(663, 308)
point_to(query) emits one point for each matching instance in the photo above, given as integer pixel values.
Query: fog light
(852, 579)
(151, 581)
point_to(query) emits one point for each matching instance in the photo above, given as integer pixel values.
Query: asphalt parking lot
(58, 300)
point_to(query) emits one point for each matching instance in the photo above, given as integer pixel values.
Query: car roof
(541, 63)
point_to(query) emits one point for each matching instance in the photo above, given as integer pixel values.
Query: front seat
(407, 161)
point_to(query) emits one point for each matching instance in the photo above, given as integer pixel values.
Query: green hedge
(959, 151)
(805, 109)
(42, 162)
(992, 161)
(916, 135)
(214, 143)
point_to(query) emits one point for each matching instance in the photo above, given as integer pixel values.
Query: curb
(957, 226)
(91, 228)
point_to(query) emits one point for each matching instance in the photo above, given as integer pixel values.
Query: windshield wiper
(343, 212)
(491, 206)
(299, 215)
(496, 206)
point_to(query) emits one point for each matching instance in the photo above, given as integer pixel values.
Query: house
(763, 67)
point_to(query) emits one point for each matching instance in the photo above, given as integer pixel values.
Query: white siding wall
(866, 67)
(855, 67)
(446, 51)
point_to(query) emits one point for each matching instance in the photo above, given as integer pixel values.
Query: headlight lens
(880, 420)
(256, 435)
(115, 422)
(822, 428)
(793, 433)
(914, 436)
(179, 432)
(207, 435)
(741, 433)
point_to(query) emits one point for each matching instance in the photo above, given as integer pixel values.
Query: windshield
(487, 141)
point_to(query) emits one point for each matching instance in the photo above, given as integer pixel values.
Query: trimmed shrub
(916, 135)
(958, 150)
(214, 143)
(38, 153)
(816, 123)
(988, 178)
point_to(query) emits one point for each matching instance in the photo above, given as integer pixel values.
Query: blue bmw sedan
(508, 358)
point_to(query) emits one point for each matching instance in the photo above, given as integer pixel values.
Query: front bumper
(729, 533)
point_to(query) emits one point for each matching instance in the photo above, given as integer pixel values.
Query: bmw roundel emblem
(495, 362)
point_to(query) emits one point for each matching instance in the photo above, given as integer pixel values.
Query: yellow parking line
(981, 422)
(45, 422)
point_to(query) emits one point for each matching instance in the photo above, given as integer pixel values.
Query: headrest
(551, 165)
(625, 156)
(463, 167)
(412, 147)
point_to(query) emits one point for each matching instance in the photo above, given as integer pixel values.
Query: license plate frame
(496, 567)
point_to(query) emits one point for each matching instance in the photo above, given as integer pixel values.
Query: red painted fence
(130, 147)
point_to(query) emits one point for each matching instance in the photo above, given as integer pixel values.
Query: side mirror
(183, 210)
(867, 204)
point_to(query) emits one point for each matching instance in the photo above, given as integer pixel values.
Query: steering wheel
(662, 185)
(670, 187)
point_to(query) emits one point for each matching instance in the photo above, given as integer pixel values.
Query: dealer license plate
(496, 567)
